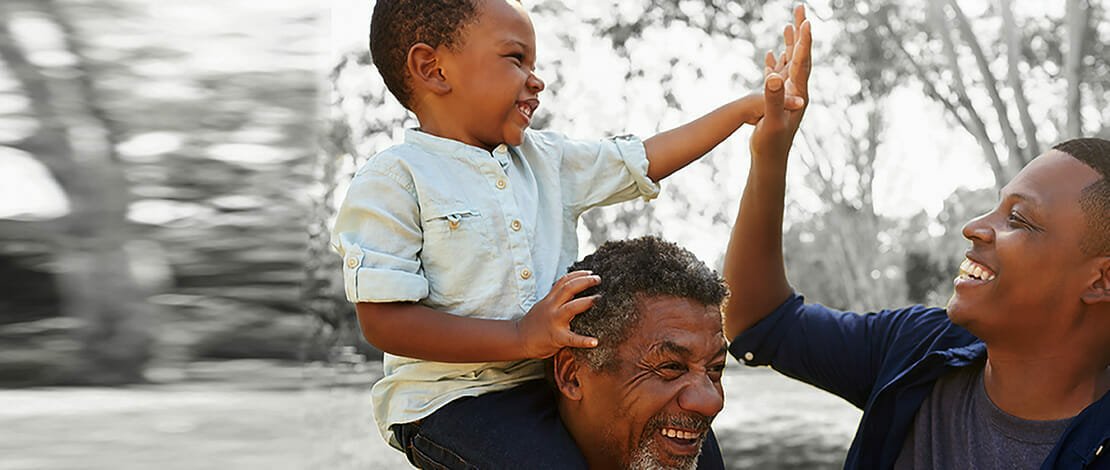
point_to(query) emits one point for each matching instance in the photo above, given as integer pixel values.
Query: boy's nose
(535, 83)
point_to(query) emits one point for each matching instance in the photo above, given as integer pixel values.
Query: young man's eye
(1016, 220)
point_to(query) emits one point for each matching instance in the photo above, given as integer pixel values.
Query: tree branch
(923, 76)
(1013, 57)
(977, 129)
(1008, 134)
(50, 140)
(1076, 20)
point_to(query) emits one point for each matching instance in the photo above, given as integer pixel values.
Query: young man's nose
(979, 229)
(702, 397)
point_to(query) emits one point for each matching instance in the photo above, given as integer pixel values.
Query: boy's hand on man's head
(785, 90)
(545, 329)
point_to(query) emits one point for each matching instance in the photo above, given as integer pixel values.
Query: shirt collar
(444, 146)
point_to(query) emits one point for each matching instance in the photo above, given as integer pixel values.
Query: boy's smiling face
(493, 90)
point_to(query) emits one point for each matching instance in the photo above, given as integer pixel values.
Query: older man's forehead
(680, 327)
(671, 347)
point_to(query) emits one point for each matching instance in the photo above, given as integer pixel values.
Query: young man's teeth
(971, 269)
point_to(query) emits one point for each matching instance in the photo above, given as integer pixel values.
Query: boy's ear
(566, 374)
(425, 70)
(1098, 290)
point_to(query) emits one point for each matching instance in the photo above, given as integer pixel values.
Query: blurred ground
(254, 414)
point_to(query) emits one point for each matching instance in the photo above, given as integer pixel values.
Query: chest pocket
(458, 243)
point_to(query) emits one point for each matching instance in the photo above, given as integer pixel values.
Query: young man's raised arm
(754, 269)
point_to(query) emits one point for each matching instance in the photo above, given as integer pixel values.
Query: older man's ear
(566, 374)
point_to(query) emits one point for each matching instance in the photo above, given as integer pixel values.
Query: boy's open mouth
(527, 107)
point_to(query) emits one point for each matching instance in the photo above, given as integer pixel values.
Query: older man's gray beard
(644, 457)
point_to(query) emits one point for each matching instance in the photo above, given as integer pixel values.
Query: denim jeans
(511, 429)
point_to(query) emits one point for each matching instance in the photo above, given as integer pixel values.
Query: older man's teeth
(525, 109)
(679, 434)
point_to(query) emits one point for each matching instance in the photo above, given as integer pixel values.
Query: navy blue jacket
(885, 363)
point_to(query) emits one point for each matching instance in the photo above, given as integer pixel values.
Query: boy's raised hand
(545, 329)
(786, 77)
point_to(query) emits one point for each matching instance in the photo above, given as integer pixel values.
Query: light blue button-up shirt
(472, 233)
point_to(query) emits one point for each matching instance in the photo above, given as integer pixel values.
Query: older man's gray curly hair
(632, 270)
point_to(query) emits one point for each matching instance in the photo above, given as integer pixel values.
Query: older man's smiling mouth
(680, 434)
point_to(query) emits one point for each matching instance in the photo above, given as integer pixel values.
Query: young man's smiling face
(1025, 266)
(654, 407)
(494, 91)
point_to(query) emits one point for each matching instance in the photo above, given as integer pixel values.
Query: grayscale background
(168, 171)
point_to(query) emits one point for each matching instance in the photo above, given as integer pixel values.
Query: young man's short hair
(1095, 199)
(397, 25)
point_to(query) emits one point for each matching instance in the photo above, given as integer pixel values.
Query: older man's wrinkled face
(656, 404)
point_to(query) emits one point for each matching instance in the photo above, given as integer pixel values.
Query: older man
(645, 397)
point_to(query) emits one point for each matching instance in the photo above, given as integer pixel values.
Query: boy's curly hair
(397, 25)
(632, 270)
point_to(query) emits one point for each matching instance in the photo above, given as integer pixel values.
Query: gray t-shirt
(959, 427)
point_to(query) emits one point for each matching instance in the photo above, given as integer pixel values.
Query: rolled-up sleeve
(602, 172)
(378, 234)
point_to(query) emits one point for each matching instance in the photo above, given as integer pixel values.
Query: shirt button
(748, 356)
(351, 262)
(501, 183)
(525, 274)
(516, 225)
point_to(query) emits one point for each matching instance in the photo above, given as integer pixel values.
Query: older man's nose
(702, 397)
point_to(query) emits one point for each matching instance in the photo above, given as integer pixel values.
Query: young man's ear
(1098, 290)
(425, 70)
(566, 374)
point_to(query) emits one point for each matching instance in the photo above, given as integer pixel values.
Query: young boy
(453, 242)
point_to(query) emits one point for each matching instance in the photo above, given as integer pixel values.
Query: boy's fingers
(769, 63)
(569, 277)
(575, 340)
(773, 96)
(575, 286)
(577, 306)
(799, 14)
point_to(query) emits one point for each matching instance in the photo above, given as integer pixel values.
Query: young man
(1014, 373)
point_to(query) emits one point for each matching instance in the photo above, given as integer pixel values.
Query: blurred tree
(76, 140)
(953, 57)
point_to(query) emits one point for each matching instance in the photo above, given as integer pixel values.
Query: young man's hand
(545, 329)
(786, 82)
